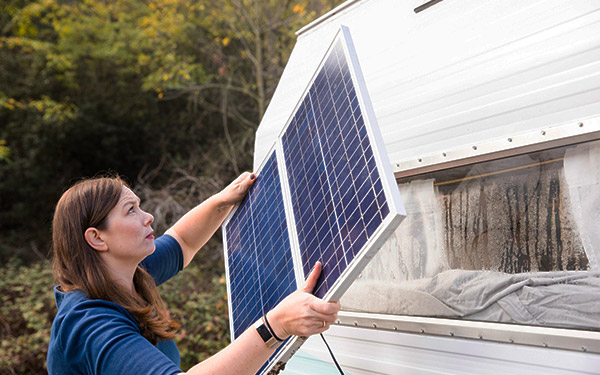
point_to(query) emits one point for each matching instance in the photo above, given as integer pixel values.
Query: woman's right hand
(301, 313)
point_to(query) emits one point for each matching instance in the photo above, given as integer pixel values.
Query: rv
(490, 115)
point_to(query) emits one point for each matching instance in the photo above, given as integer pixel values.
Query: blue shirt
(101, 337)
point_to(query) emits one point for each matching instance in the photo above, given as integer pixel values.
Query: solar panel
(337, 195)
(331, 197)
(260, 268)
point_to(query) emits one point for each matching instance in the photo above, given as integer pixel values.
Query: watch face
(266, 335)
(263, 331)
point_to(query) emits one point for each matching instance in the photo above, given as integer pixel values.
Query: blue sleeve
(97, 338)
(166, 261)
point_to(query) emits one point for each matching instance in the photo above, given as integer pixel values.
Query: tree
(172, 88)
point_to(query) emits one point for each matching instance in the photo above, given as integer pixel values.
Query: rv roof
(459, 76)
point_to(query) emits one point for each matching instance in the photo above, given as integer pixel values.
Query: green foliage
(26, 313)
(4, 151)
(130, 86)
(196, 298)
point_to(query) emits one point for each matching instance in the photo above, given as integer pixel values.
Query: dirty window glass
(514, 240)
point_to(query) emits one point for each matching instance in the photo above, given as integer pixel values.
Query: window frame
(546, 337)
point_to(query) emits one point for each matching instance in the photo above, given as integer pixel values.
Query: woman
(111, 319)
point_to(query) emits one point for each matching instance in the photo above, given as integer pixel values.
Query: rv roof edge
(328, 15)
(539, 139)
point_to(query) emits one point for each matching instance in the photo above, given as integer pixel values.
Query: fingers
(244, 182)
(241, 177)
(325, 308)
(320, 322)
(311, 281)
(303, 314)
(237, 190)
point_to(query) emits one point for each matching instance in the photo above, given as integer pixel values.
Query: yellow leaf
(226, 41)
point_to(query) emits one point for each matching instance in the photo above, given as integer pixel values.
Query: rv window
(514, 240)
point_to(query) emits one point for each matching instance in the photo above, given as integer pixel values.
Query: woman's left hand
(237, 190)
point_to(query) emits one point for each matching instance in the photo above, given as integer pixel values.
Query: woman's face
(128, 233)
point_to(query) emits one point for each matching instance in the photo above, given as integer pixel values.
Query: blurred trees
(167, 93)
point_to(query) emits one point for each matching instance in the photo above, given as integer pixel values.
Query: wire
(332, 356)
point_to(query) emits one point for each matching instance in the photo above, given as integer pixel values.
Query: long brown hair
(78, 266)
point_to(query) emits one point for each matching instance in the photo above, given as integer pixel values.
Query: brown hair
(78, 266)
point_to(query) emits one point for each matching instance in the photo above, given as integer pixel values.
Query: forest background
(166, 93)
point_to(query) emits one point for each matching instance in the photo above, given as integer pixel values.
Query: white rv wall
(458, 73)
(461, 72)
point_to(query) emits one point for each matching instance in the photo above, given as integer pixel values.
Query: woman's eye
(131, 210)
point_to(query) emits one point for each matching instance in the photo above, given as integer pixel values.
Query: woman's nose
(149, 218)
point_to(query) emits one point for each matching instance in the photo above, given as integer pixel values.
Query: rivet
(584, 348)
(543, 132)
(510, 139)
(474, 147)
(422, 330)
(511, 341)
(545, 345)
(420, 160)
(395, 328)
(451, 333)
(444, 154)
(338, 322)
(374, 325)
(398, 165)
(480, 337)
(356, 324)
(580, 124)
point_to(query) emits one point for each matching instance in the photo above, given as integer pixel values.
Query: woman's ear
(94, 239)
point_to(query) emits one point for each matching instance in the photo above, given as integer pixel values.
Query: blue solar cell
(260, 264)
(332, 173)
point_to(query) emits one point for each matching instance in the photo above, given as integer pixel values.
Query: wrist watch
(266, 334)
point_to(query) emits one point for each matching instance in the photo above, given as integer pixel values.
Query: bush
(196, 298)
(26, 312)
